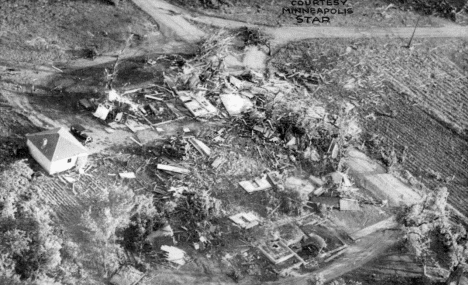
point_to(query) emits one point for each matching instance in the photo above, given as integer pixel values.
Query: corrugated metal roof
(57, 144)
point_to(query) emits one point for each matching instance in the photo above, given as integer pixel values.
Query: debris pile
(191, 167)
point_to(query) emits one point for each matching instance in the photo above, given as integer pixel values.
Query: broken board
(173, 169)
(276, 251)
(245, 220)
(128, 175)
(235, 104)
(349, 205)
(200, 146)
(326, 231)
(198, 105)
(255, 185)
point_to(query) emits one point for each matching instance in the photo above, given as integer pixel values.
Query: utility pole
(414, 31)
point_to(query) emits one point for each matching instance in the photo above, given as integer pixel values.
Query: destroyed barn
(236, 159)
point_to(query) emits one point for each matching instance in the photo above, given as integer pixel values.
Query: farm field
(228, 160)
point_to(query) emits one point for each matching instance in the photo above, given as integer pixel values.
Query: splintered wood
(278, 252)
(173, 169)
(198, 105)
(258, 184)
(245, 220)
(200, 146)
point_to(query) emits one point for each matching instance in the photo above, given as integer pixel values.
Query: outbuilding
(57, 150)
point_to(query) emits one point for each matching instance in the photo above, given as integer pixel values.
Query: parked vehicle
(81, 134)
(86, 104)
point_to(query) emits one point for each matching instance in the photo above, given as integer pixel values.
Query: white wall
(62, 165)
(38, 156)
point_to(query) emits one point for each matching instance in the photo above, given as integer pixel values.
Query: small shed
(56, 150)
(126, 275)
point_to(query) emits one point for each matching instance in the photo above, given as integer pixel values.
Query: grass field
(45, 31)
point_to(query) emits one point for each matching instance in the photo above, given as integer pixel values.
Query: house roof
(56, 144)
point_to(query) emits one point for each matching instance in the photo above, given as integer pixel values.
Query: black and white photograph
(223, 142)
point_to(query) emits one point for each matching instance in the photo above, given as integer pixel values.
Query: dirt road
(173, 18)
(170, 20)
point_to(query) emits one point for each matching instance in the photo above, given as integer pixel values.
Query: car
(86, 104)
(81, 134)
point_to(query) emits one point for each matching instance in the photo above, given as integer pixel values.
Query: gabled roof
(57, 144)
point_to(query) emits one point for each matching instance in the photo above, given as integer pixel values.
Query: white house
(57, 150)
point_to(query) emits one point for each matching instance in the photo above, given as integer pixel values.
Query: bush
(442, 8)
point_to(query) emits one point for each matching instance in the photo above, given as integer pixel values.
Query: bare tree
(112, 74)
(429, 223)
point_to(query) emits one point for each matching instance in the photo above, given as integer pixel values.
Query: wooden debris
(165, 231)
(137, 142)
(245, 220)
(323, 234)
(126, 275)
(330, 202)
(101, 112)
(336, 177)
(276, 251)
(198, 105)
(247, 94)
(235, 104)
(274, 178)
(258, 128)
(115, 125)
(200, 146)
(132, 91)
(349, 205)
(170, 121)
(173, 169)
(146, 119)
(174, 254)
(154, 98)
(56, 68)
(174, 110)
(153, 109)
(292, 142)
(196, 109)
(236, 82)
(135, 126)
(85, 103)
(319, 191)
(69, 179)
(255, 185)
(118, 117)
(128, 175)
(316, 180)
(218, 162)
(218, 139)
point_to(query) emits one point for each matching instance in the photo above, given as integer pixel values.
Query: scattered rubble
(173, 169)
(349, 205)
(245, 220)
(235, 104)
(300, 145)
(174, 254)
(276, 251)
(200, 146)
(259, 184)
(126, 275)
(128, 175)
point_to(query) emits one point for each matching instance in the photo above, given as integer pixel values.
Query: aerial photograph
(223, 142)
